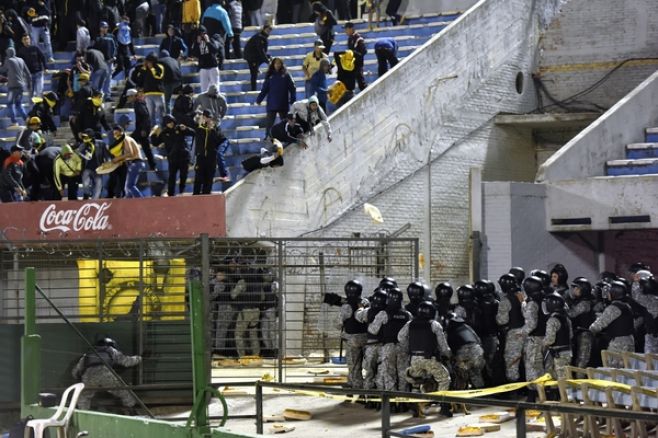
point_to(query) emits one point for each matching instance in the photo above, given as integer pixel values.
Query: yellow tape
(545, 380)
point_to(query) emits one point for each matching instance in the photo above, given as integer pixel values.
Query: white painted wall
(605, 139)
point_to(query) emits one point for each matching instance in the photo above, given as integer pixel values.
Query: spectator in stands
(173, 43)
(80, 97)
(183, 110)
(288, 131)
(125, 47)
(42, 182)
(158, 8)
(173, 12)
(296, 7)
(43, 109)
(16, 26)
(142, 124)
(217, 21)
(30, 137)
(392, 11)
(235, 12)
(386, 50)
(19, 79)
(373, 7)
(311, 64)
(253, 8)
(343, 9)
(94, 152)
(141, 12)
(205, 50)
(100, 71)
(212, 101)
(36, 63)
(154, 88)
(107, 45)
(92, 115)
(67, 169)
(319, 85)
(109, 14)
(308, 114)
(133, 156)
(173, 138)
(6, 40)
(324, 25)
(279, 87)
(191, 18)
(173, 77)
(207, 140)
(346, 66)
(357, 44)
(255, 52)
(37, 15)
(82, 36)
(11, 177)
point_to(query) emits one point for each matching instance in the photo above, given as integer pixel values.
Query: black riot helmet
(106, 342)
(443, 291)
(518, 273)
(553, 303)
(353, 289)
(394, 299)
(616, 291)
(533, 287)
(508, 283)
(378, 299)
(638, 266)
(426, 310)
(484, 288)
(427, 292)
(542, 275)
(649, 286)
(466, 295)
(451, 319)
(387, 283)
(607, 276)
(584, 286)
(415, 291)
(562, 274)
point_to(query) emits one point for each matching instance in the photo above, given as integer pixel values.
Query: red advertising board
(183, 216)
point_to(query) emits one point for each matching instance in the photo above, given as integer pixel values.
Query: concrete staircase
(641, 158)
(244, 121)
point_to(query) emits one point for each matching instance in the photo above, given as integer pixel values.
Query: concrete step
(642, 166)
(642, 150)
(651, 135)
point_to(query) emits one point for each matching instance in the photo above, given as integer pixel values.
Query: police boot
(446, 411)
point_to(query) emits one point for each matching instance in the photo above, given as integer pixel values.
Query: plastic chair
(62, 425)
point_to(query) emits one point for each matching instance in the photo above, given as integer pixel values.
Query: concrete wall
(600, 199)
(586, 154)
(415, 7)
(515, 234)
(379, 150)
(591, 38)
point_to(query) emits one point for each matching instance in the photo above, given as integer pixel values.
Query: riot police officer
(580, 303)
(510, 319)
(534, 329)
(92, 370)
(557, 340)
(545, 279)
(354, 332)
(616, 321)
(488, 328)
(416, 294)
(559, 278)
(468, 355)
(468, 306)
(443, 293)
(519, 275)
(374, 339)
(424, 340)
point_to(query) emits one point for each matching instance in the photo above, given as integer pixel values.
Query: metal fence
(264, 298)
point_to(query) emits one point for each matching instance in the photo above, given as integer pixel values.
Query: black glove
(333, 299)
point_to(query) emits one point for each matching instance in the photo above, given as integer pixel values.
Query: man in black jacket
(255, 52)
(173, 77)
(173, 43)
(208, 140)
(357, 44)
(43, 109)
(183, 110)
(142, 124)
(154, 80)
(173, 138)
(35, 61)
(93, 116)
(37, 14)
(206, 50)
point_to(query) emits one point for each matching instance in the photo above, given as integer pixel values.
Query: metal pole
(140, 311)
(30, 302)
(30, 346)
(386, 416)
(282, 297)
(199, 365)
(520, 423)
(427, 225)
(205, 281)
(259, 408)
(101, 282)
(323, 290)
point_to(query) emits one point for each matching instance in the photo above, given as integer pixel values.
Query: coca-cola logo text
(89, 217)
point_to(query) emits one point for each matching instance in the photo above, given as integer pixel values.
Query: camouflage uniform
(514, 340)
(371, 352)
(533, 355)
(99, 376)
(247, 300)
(469, 363)
(421, 368)
(584, 338)
(649, 302)
(557, 361)
(619, 343)
(224, 314)
(354, 346)
(393, 360)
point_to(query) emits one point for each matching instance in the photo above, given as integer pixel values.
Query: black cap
(152, 57)
(348, 25)
(187, 89)
(89, 132)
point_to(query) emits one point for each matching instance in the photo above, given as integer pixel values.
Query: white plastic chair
(62, 425)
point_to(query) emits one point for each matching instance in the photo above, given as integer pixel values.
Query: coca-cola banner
(184, 216)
